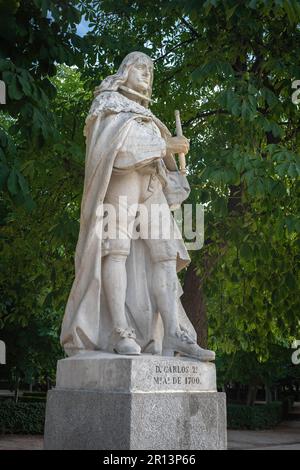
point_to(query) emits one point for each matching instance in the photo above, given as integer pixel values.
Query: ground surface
(283, 437)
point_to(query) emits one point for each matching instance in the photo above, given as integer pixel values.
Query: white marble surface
(126, 293)
(111, 372)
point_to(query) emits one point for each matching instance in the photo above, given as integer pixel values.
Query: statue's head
(135, 72)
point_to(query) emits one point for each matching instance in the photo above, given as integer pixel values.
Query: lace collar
(116, 102)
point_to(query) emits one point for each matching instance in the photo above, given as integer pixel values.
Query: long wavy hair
(113, 82)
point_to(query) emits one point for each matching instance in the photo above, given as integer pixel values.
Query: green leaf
(252, 4)
(292, 14)
(290, 281)
(44, 6)
(25, 84)
(14, 91)
(5, 64)
(12, 182)
(282, 169)
(292, 171)
(276, 129)
(230, 12)
(221, 206)
(4, 172)
(246, 251)
(23, 184)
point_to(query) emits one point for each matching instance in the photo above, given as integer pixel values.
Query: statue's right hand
(177, 145)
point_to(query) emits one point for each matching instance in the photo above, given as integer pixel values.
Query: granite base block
(93, 420)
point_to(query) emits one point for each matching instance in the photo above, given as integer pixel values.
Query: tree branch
(203, 115)
(190, 27)
(187, 41)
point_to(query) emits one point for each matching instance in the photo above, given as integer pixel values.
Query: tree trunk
(238, 393)
(17, 389)
(268, 394)
(251, 397)
(194, 304)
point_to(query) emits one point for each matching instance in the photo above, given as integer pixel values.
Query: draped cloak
(87, 323)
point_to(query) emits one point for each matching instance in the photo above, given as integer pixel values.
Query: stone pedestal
(112, 402)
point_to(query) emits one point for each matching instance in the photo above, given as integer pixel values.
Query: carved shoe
(126, 344)
(183, 344)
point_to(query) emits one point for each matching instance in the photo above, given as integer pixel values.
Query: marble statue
(126, 294)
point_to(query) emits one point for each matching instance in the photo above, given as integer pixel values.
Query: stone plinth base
(111, 402)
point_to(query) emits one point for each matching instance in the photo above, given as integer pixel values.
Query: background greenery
(228, 66)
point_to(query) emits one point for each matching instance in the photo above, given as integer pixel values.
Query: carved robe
(121, 136)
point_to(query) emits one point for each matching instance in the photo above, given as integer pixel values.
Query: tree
(244, 369)
(37, 247)
(228, 67)
(38, 182)
(36, 35)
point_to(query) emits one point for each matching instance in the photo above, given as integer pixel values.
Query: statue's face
(139, 78)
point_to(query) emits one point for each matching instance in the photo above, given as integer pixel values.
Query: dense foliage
(228, 66)
(22, 418)
(254, 417)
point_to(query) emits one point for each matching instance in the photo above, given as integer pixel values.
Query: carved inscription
(177, 375)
